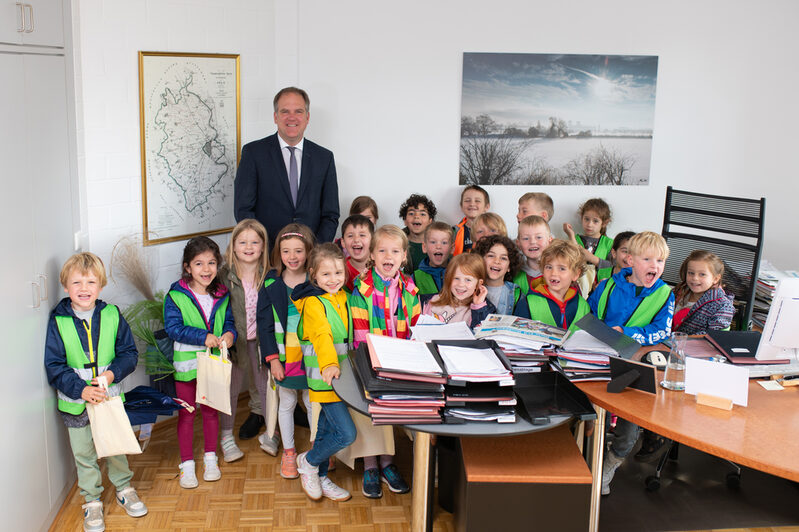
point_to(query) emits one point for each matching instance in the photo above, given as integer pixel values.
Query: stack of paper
(480, 381)
(528, 344)
(499, 414)
(397, 401)
(767, 280)
(404, 359)
(583, 357)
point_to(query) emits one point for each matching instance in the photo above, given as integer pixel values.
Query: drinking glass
(674, 378)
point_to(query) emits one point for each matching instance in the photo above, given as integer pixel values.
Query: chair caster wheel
(652, 483)
(733, 480)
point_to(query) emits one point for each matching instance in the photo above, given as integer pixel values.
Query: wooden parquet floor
(251, 496)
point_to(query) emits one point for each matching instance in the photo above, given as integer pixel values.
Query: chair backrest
(730, 227)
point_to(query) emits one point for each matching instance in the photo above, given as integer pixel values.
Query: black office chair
(732, 228)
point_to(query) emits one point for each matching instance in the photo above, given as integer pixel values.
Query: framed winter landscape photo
(549, 119)
(190, 119)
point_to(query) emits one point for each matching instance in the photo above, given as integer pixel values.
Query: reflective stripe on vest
(541, 310)
(185, 355)
(646, 310)
(76, 355)
(425, 282)
(602, 252)
(340, 337)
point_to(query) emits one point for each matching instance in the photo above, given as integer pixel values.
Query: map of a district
(190, 141)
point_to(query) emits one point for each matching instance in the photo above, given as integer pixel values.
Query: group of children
(296, 312)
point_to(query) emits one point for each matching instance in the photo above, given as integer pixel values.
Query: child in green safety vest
(88, 339)
(533, 238)
(429, 274)
(638, 303)
(557, 302)
(197, 315)
(596, 245)
(324, 330)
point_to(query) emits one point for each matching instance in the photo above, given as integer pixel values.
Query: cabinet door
(49, 168)
(11, 22)
(44, 23)
(41, 22)
(20, 500)
(50, 205)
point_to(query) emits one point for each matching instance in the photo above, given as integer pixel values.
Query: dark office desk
(423, 458)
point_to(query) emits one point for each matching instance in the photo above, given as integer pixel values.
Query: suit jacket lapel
(282, 174)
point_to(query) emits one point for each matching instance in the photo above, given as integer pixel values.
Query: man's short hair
(440, 226)
(413, 201)
(295, 90)
(85, 263)
(542, 199)
(357, 220)
(566, 251)
(533, 221)
(640, 243)
(478, 188)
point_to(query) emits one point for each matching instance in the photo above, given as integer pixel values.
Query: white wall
(385, 85)
(384, 81)
(110, 35)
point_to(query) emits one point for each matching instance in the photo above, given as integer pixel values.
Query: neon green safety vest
(340, 343)
(425, 282)
(602, 251)
(520, 280)
(76, 355)
(280, 334)
(646, 310)
(185, 360)
(541, 311)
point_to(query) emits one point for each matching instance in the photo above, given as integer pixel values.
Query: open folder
(404, 359)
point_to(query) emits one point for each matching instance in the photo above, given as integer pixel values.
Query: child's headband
(286, 235)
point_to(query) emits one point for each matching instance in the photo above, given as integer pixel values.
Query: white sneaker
(609, 466)
(269, 445)
(230, 451)
(333, 492)
(93, 520)
(309, 477)
(129, 500)
(188, 478)
(211, 471)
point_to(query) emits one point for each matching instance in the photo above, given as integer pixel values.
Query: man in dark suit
(286, 178)
(281, 179)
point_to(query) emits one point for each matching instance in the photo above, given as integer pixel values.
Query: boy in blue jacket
(88, 339)
(636, 302)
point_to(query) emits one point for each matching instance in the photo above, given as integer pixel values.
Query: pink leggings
(187, 392)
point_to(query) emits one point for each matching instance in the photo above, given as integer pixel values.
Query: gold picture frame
(187, 133)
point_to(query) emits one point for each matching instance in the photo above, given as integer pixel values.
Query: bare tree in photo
(491, 160)
(600, 166)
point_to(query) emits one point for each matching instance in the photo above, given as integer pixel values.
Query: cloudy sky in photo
(598, 91)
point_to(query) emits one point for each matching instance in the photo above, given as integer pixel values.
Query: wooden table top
(763, 435)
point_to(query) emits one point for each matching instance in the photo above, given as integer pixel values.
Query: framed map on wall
(190, 119)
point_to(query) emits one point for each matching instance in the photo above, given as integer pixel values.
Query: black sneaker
(251, 427)
(371, 484)
(391, 476)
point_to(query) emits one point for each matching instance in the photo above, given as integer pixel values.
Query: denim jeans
(335, 431)
(624, 437)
